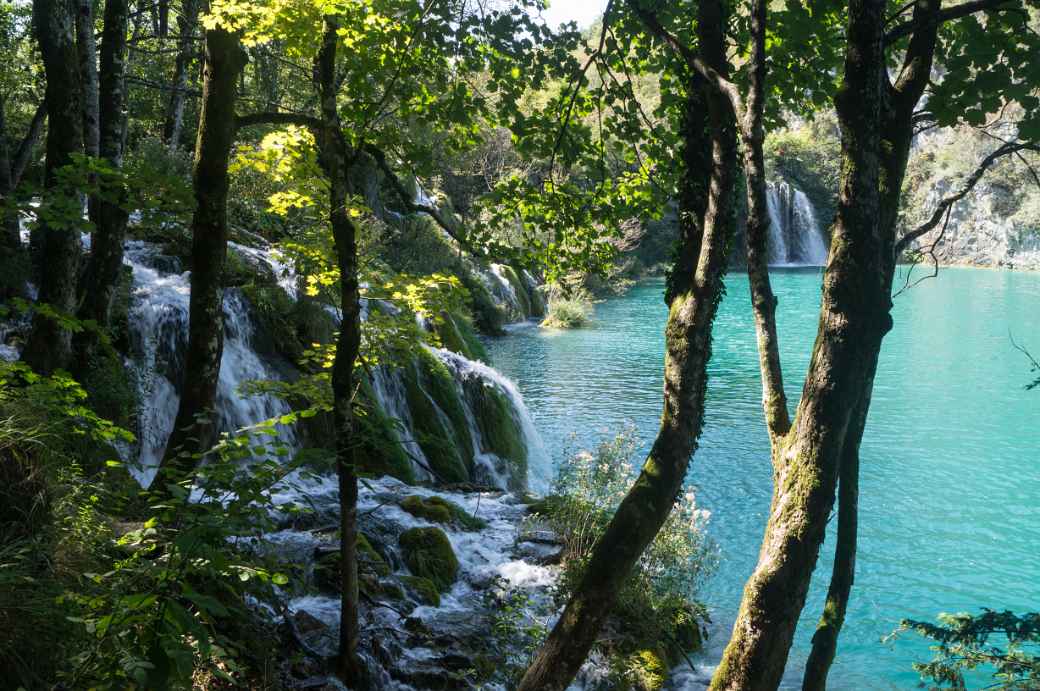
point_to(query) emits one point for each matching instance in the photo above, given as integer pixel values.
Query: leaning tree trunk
(706, 218)
(333, 158)
(106, 250)
(50, 344)
(195, 427)
(854, 317)
(10, 240)
(186, 24)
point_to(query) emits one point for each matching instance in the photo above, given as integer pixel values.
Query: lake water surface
(950, 487)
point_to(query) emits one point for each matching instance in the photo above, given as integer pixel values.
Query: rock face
(986, 228)
(997, 224)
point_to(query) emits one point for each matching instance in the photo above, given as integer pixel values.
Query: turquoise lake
(950, 487)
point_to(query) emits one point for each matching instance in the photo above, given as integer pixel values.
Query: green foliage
(1003, 643)
(567, 313)
(440, 510)
(657, 608)
(514, 635)
(427, 553)
(499, 429)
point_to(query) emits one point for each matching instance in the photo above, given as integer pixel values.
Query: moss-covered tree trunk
(333, 159)
(50, 344)
(823, 443)
(106, 250)
(195, 427)
(174, 120)
(695, 288)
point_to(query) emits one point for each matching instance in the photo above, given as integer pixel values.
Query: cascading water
(159, 337)
(795, 238)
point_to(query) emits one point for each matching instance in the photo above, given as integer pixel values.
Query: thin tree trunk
(825, 640)
(186, 24)
(50, 344)
(106, 251)
(333, 159)
(854, 317)
(195, 430)
(10, 240)
(763, 301)
(86, 49)
(706, 218)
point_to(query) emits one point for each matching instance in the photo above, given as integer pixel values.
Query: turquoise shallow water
(950, 489)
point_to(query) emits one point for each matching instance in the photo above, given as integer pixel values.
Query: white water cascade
(159, 339)
(795, 238)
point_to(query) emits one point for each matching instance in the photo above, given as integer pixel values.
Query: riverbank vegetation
(251, 255)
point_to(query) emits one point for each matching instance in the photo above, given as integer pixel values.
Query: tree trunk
(106, 250)
(186, 24)
(194, 430)
(10, 240)
(86, 50)
(854, 317)
(825, 640)
(333, 159)
(50, 345)
(706, 221)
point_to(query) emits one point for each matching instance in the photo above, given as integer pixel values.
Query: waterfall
(158, 342)
(795, 238)
(539, 466)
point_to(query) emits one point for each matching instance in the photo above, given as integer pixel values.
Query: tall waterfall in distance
(795, 237)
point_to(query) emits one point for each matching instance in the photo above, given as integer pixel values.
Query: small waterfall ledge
(795, 236)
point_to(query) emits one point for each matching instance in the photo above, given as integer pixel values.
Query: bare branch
(1006, 149)
(410, 204)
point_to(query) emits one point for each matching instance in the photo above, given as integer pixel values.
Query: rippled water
(950, 489)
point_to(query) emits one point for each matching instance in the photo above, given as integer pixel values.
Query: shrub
(657, 606)
(567, 313)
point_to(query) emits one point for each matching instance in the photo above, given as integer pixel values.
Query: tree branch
(692, 60)
(946, 15)
(968, 185)
(410, 204)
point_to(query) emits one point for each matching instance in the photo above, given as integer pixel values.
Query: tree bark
(86, 50)
(854, 317)
(106, 250)
(194, 430)
(186, 24)
(843, 573)
(333, 156)
(50, 345)
(695, 288)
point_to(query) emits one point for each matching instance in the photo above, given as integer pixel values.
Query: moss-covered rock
(380, 450)
(440, 510)
(488, 317)
(422, 590)
(427, 552)
(456, 333)
(438, 417)
(500, 432)
(371, 564)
